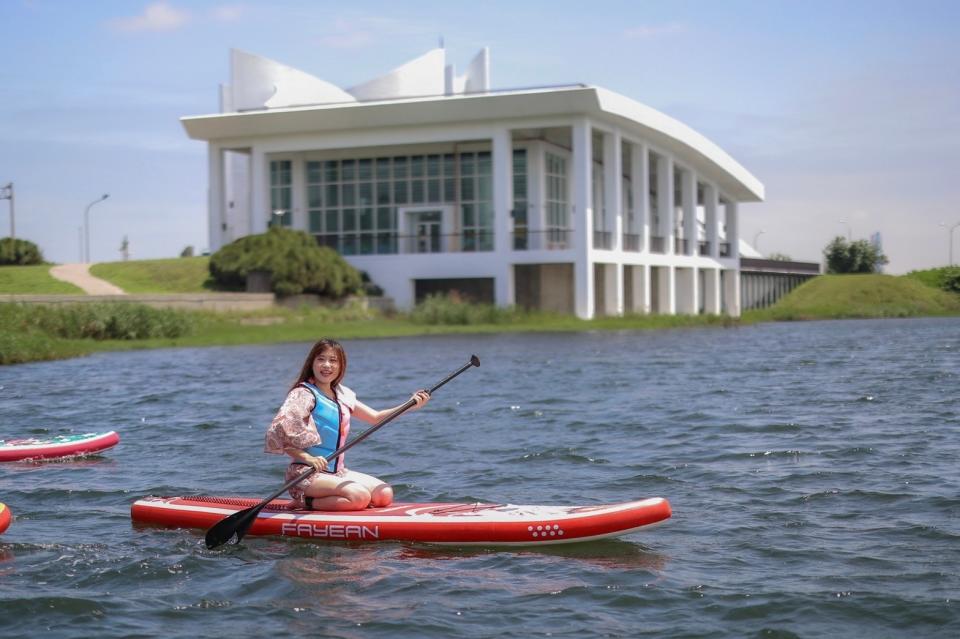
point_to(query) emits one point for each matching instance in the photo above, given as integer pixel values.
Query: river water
(812, 469)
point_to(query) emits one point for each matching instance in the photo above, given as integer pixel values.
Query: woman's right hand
(319, 463)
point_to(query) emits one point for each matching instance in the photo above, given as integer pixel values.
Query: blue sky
(848, 112)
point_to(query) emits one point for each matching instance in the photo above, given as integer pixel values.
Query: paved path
(79, 275)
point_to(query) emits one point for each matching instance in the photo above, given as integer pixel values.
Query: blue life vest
(326, 415)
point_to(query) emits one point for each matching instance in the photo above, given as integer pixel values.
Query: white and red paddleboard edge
(451, 524)
(33, 448)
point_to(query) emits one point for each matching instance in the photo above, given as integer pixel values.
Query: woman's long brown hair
(306, 372)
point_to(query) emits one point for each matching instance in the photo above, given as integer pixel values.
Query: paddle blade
(236, 525)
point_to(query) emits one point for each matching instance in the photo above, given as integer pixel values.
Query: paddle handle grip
(474, 361)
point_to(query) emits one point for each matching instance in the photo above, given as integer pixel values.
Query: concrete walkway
(79, 275)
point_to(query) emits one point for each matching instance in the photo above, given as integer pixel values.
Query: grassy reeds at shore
(91, 328)
(33, 333)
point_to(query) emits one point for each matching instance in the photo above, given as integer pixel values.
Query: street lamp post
(86, 225)
(756, 238)
(849, 230)
(952, 228)
(6, 193)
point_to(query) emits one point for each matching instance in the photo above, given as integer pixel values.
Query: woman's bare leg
(381, 493)
(333, 492)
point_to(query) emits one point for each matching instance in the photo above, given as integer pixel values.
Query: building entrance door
(427, 231)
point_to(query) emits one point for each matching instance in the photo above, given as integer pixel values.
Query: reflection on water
(605, 553)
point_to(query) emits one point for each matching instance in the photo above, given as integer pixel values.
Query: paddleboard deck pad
(433, 523)
(58, 446)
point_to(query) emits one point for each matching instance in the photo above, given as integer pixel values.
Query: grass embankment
(31, 333)
(33, 280)
(175, 275)
(860, 296)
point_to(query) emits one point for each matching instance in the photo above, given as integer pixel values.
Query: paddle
(237, 524)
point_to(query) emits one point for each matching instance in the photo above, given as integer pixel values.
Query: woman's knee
(381, 495)
(357, 494)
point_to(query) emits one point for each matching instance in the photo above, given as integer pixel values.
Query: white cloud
(653, 31)
(158, 16)
(228, 12)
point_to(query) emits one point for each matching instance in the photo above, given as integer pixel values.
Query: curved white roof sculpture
(257, 82)
(420, 76)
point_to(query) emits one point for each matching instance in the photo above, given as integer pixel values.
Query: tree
(19, 252)
(859, 256)
(294, 260)
(779, 257)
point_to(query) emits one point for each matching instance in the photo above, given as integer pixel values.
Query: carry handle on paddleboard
(237, 524)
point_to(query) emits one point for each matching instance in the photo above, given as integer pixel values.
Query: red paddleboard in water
(456, 524)
(58, 446)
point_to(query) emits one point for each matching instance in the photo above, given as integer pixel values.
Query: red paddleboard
(58, 446)
(5, 517)
(455, 524)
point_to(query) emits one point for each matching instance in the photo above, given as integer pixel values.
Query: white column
(712, 292)
(688, 184)
(733, 233)
(582, 217)
(665, 202)
(216, 208)
(710, 213)
(613, 295)
(731, 291)
(613, 186)
(668, 291)
(502, 222)
(642, 273)
(640, 180)
(259, 192)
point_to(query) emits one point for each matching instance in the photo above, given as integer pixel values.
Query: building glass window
(281, 193)
(520, 202)
(476, 201)
(557, 201)
(352, 203)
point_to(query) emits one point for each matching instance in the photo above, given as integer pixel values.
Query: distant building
(876, 241)
(569, 198)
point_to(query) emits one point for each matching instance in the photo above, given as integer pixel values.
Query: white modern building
(568, 198)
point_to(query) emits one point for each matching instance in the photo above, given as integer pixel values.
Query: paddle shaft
(238, 523)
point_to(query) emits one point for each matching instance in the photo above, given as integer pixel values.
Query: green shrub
(450, 309)
(19, 252)
(951, 281)
(946, 278)
(100, 321)
(296, 263)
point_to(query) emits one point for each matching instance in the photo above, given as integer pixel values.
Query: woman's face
(326, 366)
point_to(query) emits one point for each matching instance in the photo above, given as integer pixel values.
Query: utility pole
(6, 193)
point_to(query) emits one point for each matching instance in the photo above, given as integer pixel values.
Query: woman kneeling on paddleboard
(314, 421)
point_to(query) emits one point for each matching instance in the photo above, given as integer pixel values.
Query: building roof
(600, 104)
